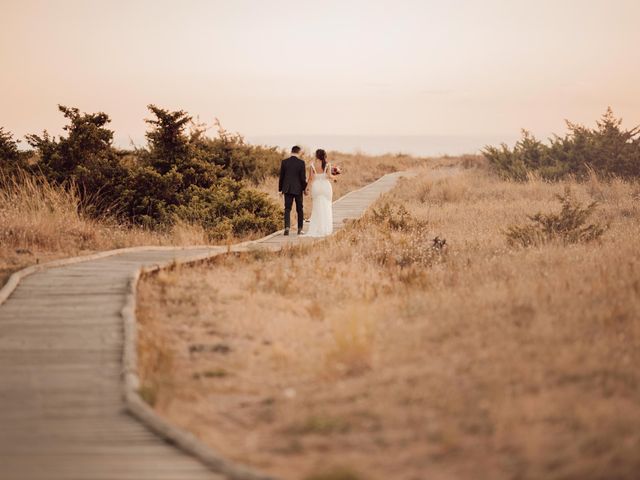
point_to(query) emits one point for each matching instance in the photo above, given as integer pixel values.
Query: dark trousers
(288, 203)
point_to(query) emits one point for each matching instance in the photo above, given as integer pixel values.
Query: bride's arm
(310, 179)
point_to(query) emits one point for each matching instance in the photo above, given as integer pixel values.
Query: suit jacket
(293, 176)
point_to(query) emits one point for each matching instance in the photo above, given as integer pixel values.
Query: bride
(321, 223)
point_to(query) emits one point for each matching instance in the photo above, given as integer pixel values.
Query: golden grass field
(375, 355)
(40, 222)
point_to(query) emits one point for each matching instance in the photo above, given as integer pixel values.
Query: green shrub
(236, 158)
(11, 159)
(84, 158)
(607, 149)
(568, 226)
(200, 179)
(148, 196)
(228, 208)
(168, 142)
(182, 175)
(395, 217)
(403, 240)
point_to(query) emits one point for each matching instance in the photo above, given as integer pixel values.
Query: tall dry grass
(40, 221)
(384, 354)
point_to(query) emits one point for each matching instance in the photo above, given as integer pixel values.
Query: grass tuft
(353, 336)
(568, 226)
(320, 425)
(215, 373)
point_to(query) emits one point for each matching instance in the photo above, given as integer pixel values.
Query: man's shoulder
(294, 159)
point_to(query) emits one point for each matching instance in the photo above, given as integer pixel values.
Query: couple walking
(293, 184)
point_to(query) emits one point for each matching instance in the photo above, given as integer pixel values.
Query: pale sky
(351, 67)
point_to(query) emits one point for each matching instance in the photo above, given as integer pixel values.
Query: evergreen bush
(608, 150)
(182, 174)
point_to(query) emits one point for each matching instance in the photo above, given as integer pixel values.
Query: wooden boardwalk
(63, 413)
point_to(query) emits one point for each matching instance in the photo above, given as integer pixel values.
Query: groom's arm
(303, 177)
(281, 181)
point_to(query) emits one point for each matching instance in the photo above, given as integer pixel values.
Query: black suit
(293, 182)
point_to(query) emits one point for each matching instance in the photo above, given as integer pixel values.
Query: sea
(416, 145)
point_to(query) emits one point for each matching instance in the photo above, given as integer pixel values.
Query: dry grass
(570, 225)
(472, 360)
(41, 222)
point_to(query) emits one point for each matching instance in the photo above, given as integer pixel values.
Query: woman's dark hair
(322, 155)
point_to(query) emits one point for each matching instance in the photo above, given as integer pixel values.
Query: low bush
(181, 177)
(568, 226)
(227, 208)
(84, 157)
(392, 216)
(608, 150)
(236, 158)
(400, 239)
(11, 159)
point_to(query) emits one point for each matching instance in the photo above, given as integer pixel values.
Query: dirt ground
(377, 355)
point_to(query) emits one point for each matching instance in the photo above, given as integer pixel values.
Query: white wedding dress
(321, 223)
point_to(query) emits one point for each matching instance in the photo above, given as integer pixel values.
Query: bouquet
(335, 170)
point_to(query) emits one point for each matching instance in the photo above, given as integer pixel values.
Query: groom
(293, 183)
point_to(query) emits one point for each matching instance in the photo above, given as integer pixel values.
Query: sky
(349, 67)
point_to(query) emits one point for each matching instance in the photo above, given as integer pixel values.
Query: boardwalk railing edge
(135, 405)
(141, 410)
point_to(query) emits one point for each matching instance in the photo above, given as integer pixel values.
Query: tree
(10, 157)
(608, 149)
(237, 159)
(85, 157)
(179, 176)
(167, 139)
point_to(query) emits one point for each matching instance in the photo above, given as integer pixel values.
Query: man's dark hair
(295, 149)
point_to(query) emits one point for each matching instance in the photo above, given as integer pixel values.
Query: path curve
(67, 368)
